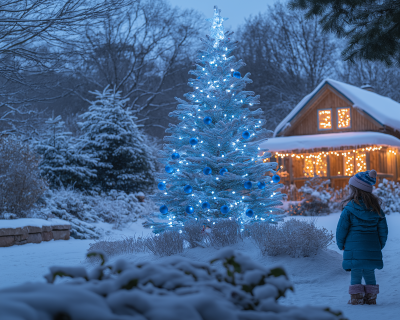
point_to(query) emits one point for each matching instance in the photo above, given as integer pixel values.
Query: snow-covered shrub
(389, 192)
(231, 286)
(224, 232)
(83, 209)
(20, 182)
(316, 194)
(166, 243)
(295, 238)
(337, 196)
(197, 233)
(8, 216)
(117, 247)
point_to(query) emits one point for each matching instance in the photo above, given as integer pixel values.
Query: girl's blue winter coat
(363, 235)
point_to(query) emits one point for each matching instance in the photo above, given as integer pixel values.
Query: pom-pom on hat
(364, 180)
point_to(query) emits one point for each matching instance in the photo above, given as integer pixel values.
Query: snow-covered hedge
(293, 237)
(229, 287)
(389, 192)
(82, 210)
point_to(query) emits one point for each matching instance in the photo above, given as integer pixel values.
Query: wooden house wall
(307, 123)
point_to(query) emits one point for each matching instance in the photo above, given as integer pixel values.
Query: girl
(362, 232)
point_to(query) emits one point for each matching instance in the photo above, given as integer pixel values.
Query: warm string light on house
(344, 118)
(316, 164)
(324, 117)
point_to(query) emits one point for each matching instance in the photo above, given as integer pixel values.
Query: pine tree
(61, 165)
(111, 136)
(213, 164)
(371, 28)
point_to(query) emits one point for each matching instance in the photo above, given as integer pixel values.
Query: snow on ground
(31, 222)
(318, 280)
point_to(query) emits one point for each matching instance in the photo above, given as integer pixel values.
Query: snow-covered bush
(20, 182)
(111, 248)
(229, 287)
(196, 233)
(225, 232)
(293, 237)
(316, 194)
(82, 210)
(216, 233)
(389, 192)
(166, 243)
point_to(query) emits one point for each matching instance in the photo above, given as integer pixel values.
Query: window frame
(337, 118)
(331, 128)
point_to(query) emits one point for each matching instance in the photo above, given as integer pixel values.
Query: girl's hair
(371, 201)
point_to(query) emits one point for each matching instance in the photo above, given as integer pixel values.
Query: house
(336, 131)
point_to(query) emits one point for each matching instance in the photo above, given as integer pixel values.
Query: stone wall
(29, 234)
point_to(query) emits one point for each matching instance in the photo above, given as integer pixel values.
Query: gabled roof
(382, 109)
(330, 140)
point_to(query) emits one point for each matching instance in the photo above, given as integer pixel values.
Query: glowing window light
(344, 119)
(324, 119)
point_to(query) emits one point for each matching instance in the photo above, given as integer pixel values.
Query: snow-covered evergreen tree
(213, 163)
(61, 164)
(111, 136)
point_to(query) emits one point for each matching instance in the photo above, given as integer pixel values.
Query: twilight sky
(235, 10)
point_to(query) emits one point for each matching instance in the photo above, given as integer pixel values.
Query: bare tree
(30, 34)
(385, 80)
(138, 51)
(287, 56)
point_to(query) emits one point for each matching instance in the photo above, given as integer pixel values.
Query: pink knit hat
(364, 180)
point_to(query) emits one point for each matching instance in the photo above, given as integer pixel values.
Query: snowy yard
(318, 281)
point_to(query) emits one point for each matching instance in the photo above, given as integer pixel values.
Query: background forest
(145, 50)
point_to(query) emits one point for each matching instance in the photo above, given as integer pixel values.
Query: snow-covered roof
(330, 140)
(383, 109)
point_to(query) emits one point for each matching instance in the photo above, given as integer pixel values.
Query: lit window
(325, 119)
(344, 118)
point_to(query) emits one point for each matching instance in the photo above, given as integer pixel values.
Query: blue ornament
(237, 74)
(161, 186)
(164, 209)
(261, 185)
(248, 185)
(169, 169)
(224, 209)
(249, 212)
(189, 209)
(193, 141)
(207, 170)
(198, 77)
(205, 205)
(246, 134)
(222, 171)
(188, 188)
(207, 120)
(175, 156)
(276, 178)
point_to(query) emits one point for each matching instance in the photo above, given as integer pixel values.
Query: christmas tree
(111, 135)
(214, 167)
(61, 164)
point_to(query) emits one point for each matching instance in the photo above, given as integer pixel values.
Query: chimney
(368, 87)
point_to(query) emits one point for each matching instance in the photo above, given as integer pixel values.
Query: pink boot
(371, 292)
(357, 294)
